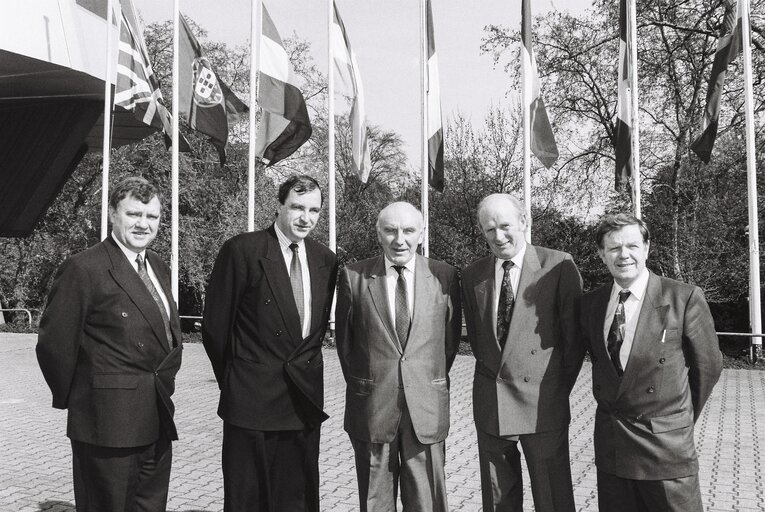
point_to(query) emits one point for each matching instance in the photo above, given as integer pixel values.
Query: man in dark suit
(266, 312)
(521, 314)
(655, 360)
(109, 348)
(398, 331)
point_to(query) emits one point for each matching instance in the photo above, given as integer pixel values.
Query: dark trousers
(121, 479)
(270, 471)
(547, 458)
(419, 467)
(626, 495)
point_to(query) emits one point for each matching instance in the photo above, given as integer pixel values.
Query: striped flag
(137, 89)
(205, 100)
(435, 127)
(284, 124)
(542, 139)
(348, 70)
(728, 47)
(624, 114)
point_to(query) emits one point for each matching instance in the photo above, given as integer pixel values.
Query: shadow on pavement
(56, 506)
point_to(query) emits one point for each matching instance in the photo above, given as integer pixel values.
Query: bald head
(399, 231)
(502, 219)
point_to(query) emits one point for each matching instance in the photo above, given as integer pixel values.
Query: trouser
(626, 495)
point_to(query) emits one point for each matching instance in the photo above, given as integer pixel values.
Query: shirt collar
(637, 289)
(285, 242)
(409, 265)
(130, 255)
(517, 259)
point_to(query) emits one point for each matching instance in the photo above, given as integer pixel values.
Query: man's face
(134, 223)
(298, 215)
(399, 231)
(624, 252)
(504, 228)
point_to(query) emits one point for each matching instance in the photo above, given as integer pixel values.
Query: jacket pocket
(671, 422)
(115, 381)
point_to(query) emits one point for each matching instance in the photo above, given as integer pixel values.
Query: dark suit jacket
(525, 388)
(270, 377)
(644, 421)
(379, 373)
(103, 351)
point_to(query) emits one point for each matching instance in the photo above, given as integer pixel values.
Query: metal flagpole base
(755, 353)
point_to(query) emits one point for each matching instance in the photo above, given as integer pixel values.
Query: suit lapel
(597, 324)
(424, 292)
(651, 322)
(379, 292)
(279, 282)
(127, 278)
(319, 274)
(164, 282)
(524, 299)
(483, 290)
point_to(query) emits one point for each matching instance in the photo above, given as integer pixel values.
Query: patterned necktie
(296, 280)
(155, 295)
(402, 307)
(506, 303)
(616, 333)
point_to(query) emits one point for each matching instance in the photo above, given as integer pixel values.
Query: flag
(348, 69)
(624, 114)
(433, 94)
(728, 47)
(284, 124)
(137, 88)
(542, 139)
(205, 100)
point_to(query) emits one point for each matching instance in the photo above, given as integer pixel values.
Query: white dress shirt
(515, 278)
(632, 307)
(284, 245)
(131, 256)
(391, 277)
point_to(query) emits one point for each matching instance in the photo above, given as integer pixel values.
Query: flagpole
(174, 162)
(526, 100)
(424, 126)
(635, 113)
(107, 121)
(256, 27)
(331, 147)
(755, 313)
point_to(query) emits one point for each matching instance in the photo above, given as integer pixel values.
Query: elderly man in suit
(398, 328)
(521, 314)
(109, 348)
(655, 360)
(266, 312)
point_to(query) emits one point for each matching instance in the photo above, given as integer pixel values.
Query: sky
(385, 37)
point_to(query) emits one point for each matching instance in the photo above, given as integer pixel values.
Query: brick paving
(35, 457)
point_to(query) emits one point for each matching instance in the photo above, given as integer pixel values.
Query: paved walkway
(35, 458)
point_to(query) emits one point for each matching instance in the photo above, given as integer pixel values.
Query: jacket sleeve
(704, 356)
(344, 320)
(454, 320)
(224, 292)
(61, 329)
(568, 310)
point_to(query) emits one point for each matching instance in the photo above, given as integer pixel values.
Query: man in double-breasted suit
(655, 360)
(109, 348)
(398, 328)
(266, 312)
(521, 314)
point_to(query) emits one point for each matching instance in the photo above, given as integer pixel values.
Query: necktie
(296, 280)
(155, 295)
(616, 333)
(506, 303)
(402, 307)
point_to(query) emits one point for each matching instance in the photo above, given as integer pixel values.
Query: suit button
(661, 361)
(124, 315)
(278, 333)
(526, 379)
(267, 301)
(650, 389)
(140, 345)
(533, 351)
(403, 358)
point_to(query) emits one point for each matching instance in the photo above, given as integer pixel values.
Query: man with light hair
(398, 329)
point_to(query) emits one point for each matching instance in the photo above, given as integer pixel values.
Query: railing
(27, 311)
